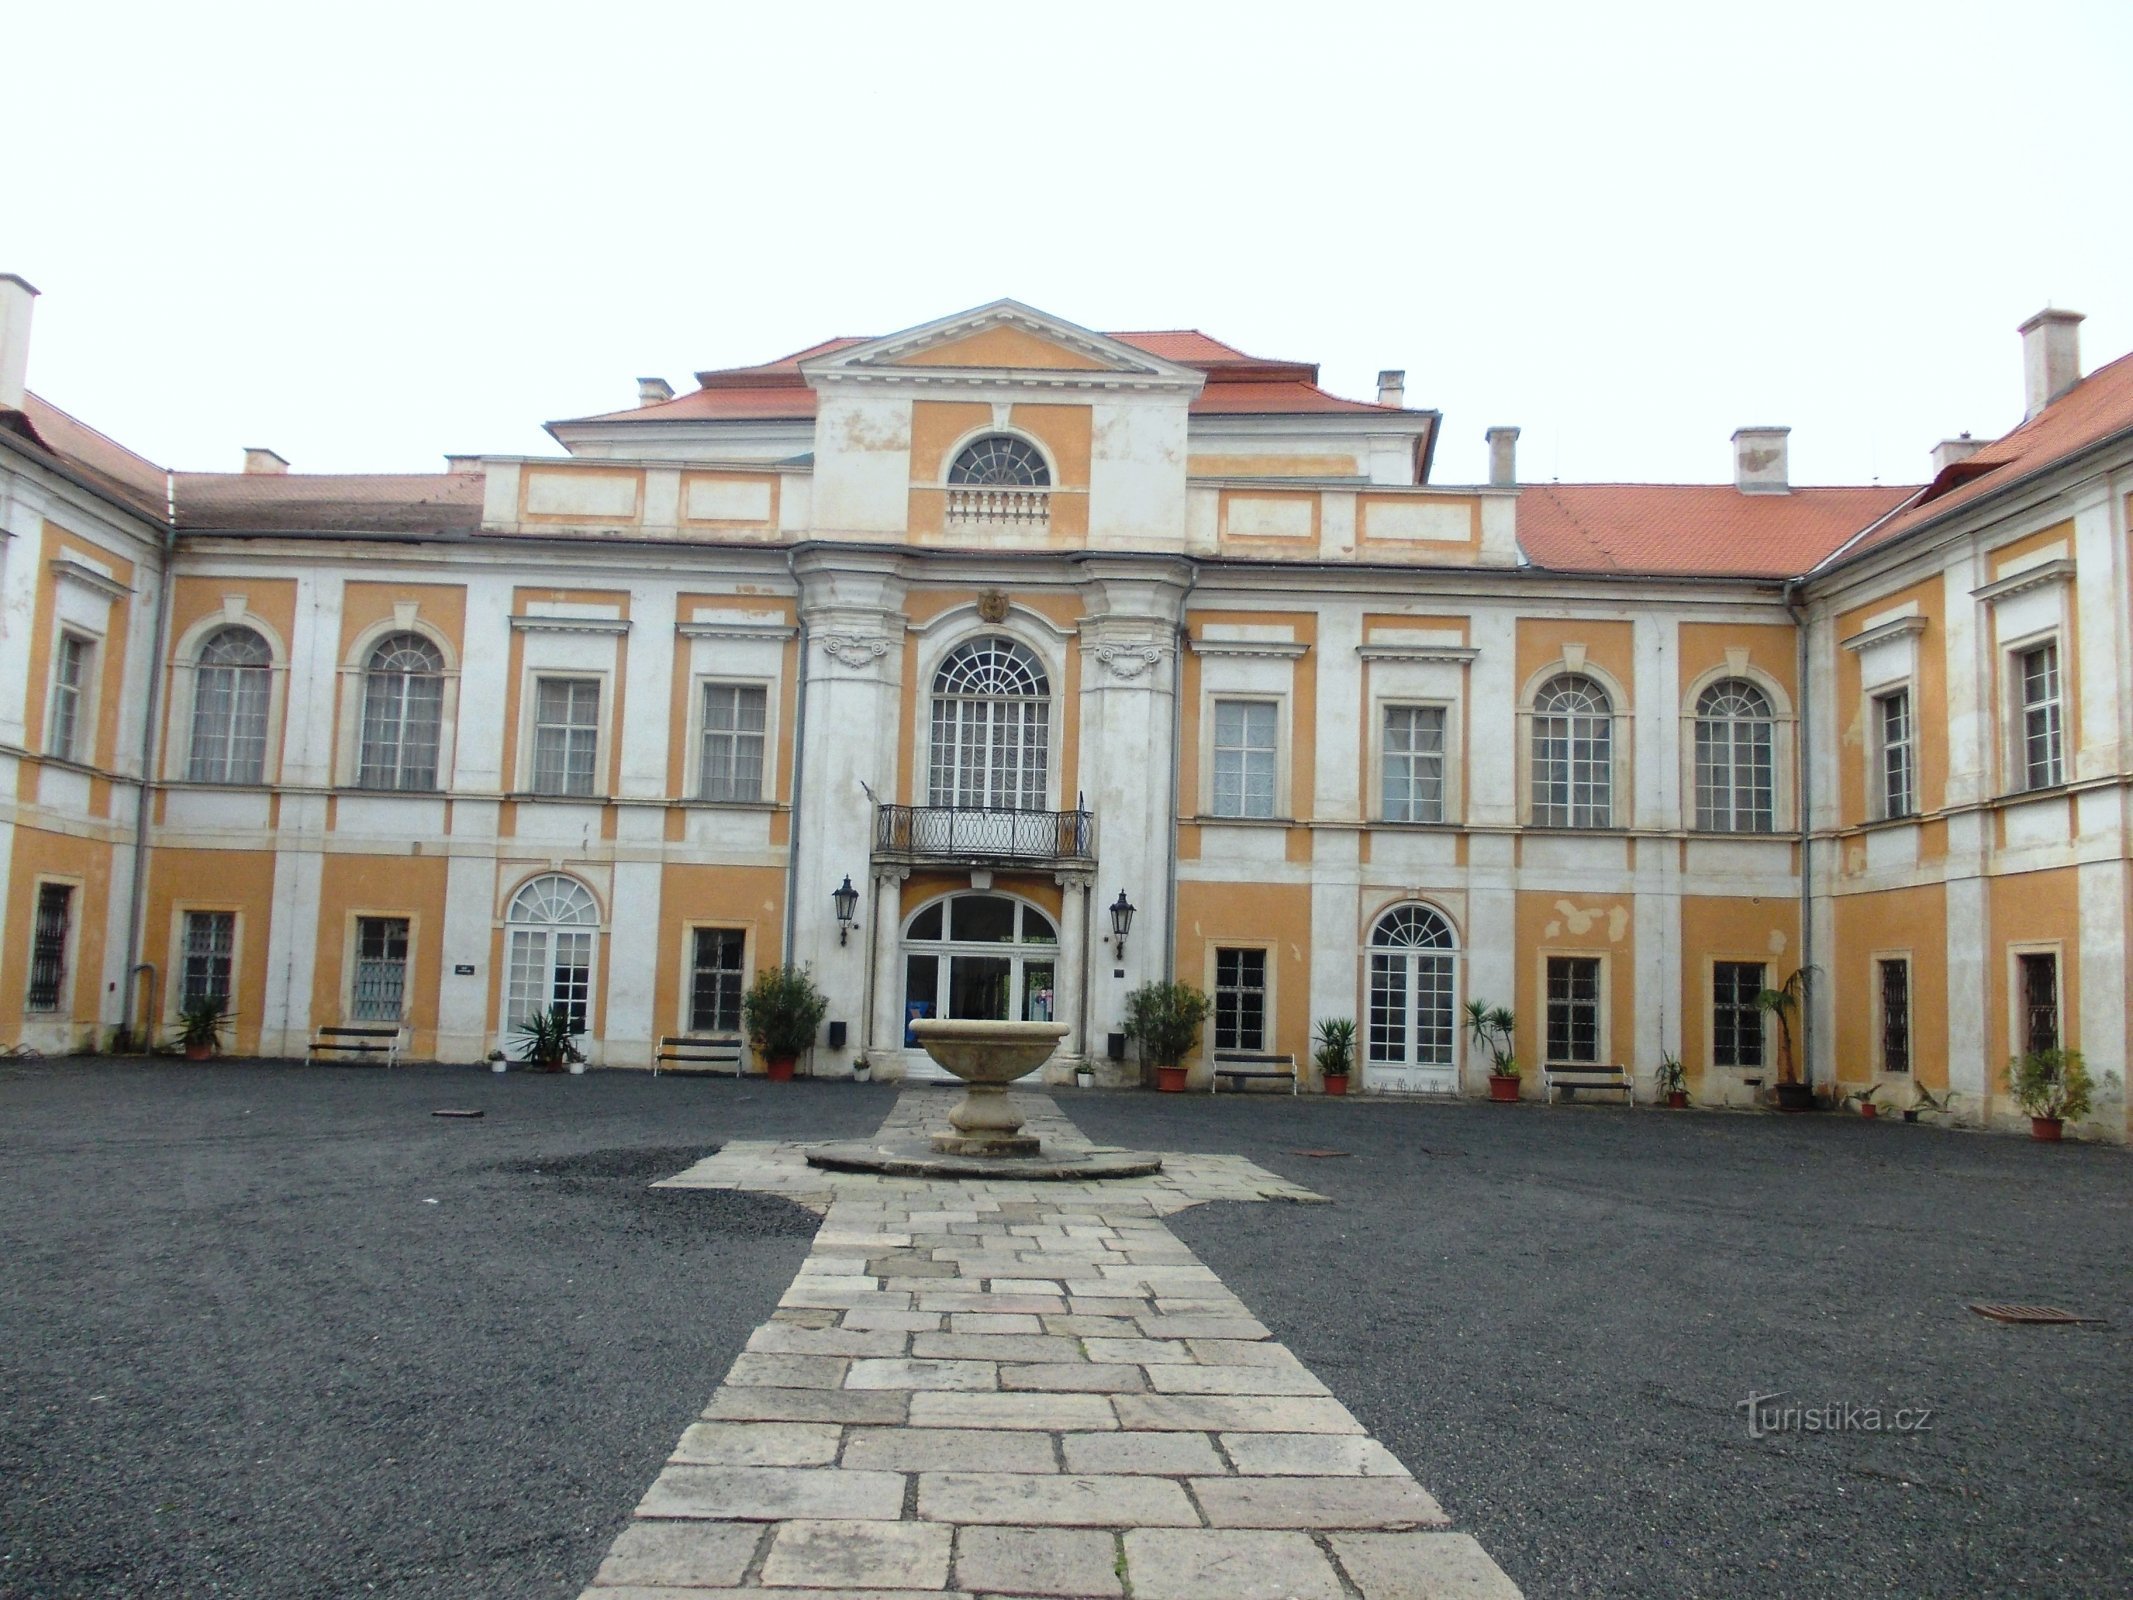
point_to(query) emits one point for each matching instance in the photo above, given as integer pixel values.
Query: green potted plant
(1923, 1099)
(781, 1011)
(1673, 1080)
(545, 1039)
(1491, 1028)
(200, 1025)
(2053, 1087)
(1336, 1052)
(1164, 1019)
(1783, 1003)
(1864, 1100)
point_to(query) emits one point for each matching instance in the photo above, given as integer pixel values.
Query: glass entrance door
(987, 957)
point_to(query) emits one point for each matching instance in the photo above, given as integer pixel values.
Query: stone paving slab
(1025, 1391)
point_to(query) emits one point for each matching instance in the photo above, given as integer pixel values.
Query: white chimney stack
(257, 458)
(1503, 457)
(2051, 358)
(1759, 464)
(1392, 387)
(653, 391)
(17, 299)
(1950, 451)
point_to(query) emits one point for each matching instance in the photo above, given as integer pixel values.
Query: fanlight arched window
(403, 711)
(1000, 461)
(1735, 790)
(551, 924)
(1413, 998)
(992, 718)
(233, 684)
(1573, 754)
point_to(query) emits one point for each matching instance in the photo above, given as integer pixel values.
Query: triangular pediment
(1005, 336)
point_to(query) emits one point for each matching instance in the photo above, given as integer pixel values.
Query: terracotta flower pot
(778, 1069)
(1867, 1108)
(1502, 1088)
(199, 1052)
(1336, 1083)
(1677, 1099)
(1171, 1080)
(2048, 1129)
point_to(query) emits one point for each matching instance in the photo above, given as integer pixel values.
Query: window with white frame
(566, 735)
(1413, 755)
(48, 946)
(1735, 734)
(379, 993)
(1000, 460)
(1240, 999)
(716, 981)
(736, 716)
(551, 923)
(1413, 1020)
(2037, 997)
(233, 685)
(1573, 754)
(2037, 683)
(1896, 754)
(403, 714)
(1573, 1019)
(1893, 974)
(1246, 747)
(1736, 1020)
(207, 957)
(70, 680)
(992, 718)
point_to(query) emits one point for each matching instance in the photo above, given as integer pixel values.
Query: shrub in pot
(1673, 1081)
(1491, 1027)
(1783, 1003)
(200, 1025)
(1336, 1052)
(546, 1040)
(781, 1011)
(2053, 1087)
(1164, 1019)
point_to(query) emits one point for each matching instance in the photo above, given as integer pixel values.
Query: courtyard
(279, 1331)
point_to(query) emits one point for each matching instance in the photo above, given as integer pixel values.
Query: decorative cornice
(1128, 660)
(1417, 652)
(855, 649)
(1898, 628)
(1278, 649)
(89, 578)
(765, 631)
(611, 625)
(2059, 571)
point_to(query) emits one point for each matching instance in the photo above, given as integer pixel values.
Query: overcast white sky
(367, 236)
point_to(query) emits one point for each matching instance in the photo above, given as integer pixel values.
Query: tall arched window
(403, 711)
(1573, 755)
(551, 924)
(1413, 1002)
(233, 683)
(992, 716)
(1735, 792)
(1000, 461)
(985, 956)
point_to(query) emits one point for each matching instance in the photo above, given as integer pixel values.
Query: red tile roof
(109, 465)
(329, 502)
(1692, 529)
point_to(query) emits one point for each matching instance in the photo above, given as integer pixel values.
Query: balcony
(983, 836)
(989, 506)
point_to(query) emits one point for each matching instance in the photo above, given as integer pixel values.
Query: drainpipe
(799, 767)
(1177, 751)
(137, 910)
(1803, 799)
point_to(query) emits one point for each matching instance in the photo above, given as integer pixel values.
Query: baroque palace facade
(1004, 622)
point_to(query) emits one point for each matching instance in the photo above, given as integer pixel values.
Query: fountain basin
(988, 1056)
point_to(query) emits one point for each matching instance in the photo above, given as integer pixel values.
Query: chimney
(463, 464)
(1759, 465)
(652, 391)
(17, 300)
(1392, 388)
(1503, 458)
(1950, 451)
(2051, 358)
(257, 458)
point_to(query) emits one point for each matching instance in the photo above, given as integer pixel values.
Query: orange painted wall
(1580, 925)
(1278, 915)
(86, 863)
(1715, 928)
(749, 898)
(381, 886)
(214, 880)
(1890, 922)
(2032, 908)
(1772, 651)
(1608, 646)
(1003, 346)
(1929, 703)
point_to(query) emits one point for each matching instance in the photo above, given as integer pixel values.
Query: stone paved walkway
(1021, 1390)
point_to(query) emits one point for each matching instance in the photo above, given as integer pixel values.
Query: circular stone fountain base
(917, 1158)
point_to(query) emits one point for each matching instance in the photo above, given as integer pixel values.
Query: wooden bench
(359, 1039)
(685, 1053)
(1587, 1075)
(1241, 1065)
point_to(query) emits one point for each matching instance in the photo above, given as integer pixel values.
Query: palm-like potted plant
(1491, 1027)
(781, 1011)
(2053, 1087)
(1783, 1003)
(1673, 1081)
(1164, 1019)
(200, 1025)
(546, 1039)
(1864, 1100)
(1336, 1052)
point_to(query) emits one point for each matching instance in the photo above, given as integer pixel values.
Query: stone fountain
(986, 1137)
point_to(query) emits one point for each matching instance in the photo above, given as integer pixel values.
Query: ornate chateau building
(1005, 623)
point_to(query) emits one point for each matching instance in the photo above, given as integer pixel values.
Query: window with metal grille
(1414, 763)
(1573, 755)
(1736, 1024)
(715, 983)
(1412, 1020)
(1895, 1015)
(551, 922)
(2042, 766)
(1001, 461)
(381, 970)
(1246, 732)
(1573, 1009)
(1240, 999)
(233, 682)
(1892, 719)
(992, 717)
(70, 677)
(566, 735)
(403, 714)
(735, 717)
(1734, 734)
(2039, 974)
(48, 945)
(210, 948)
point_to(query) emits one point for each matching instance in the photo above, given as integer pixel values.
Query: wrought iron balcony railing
(982, 834)
(972, 506)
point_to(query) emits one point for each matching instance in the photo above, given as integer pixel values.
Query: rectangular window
(1414, 763)
(2039, 999)
(48, 945)
(210, 948)
(1573, 1009)
(1736, 1025)
(1895, 1015)
(735, 716)
(1892, 720)
(566, 735)
(715, 987)
(381, 969)
(70, 676)
(1240, 999)
(2038, 670)
(1245, 736)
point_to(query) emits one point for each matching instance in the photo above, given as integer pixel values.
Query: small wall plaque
(463, 969)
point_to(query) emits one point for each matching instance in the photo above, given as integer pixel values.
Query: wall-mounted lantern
(1121, 921)
(847, 901)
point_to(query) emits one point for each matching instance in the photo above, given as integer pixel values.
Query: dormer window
(1000, 461)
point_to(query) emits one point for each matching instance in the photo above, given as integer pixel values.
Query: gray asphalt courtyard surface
(242, 1352)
